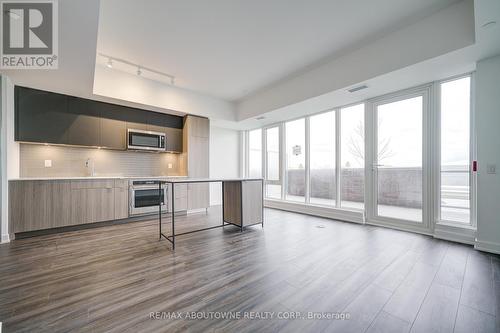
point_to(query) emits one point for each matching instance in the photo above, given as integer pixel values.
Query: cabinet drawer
(81, 184)
(121, 183)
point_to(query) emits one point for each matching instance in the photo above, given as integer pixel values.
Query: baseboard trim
(409, 228)
(5, 239)
(464, 236)
(486, 246)
(331, 213)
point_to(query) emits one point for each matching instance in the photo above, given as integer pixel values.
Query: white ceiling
(231, 48)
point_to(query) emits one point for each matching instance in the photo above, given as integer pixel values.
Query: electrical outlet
(170, 165)
(48, 163)
(491, 169)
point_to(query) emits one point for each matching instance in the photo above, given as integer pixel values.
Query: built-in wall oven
(146, 140)
(144, 197)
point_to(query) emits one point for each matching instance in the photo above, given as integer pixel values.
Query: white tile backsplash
(70, 162)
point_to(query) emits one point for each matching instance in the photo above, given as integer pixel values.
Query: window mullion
(338, 194)
(307, 160)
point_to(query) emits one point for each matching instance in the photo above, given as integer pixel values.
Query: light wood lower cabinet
(181, 199)
(45, 204)
(198, 195)
(35, 205)
(121, 199)
(91, 205)
(121, 203)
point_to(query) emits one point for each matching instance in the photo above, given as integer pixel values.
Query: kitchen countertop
(170, 179)
(95, 178)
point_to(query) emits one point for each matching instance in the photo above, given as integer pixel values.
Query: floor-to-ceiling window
(273, 179)
(322, 159)
(455, 150)
(295, 162)
(255, 153)
(352, 160)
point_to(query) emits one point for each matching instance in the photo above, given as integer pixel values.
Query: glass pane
(322, 158)
(144, 140)
(273, 153)
(352, 159)
(455, 143)
(255, 153)
(147, 198)
(399, 157)
(273, 191)
(295, 160)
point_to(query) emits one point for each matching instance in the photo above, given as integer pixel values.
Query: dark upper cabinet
(41, 116)
(84, 129)
(137, 126)
(136, 120)
(113, 127)
(47, 117)
(174, 139)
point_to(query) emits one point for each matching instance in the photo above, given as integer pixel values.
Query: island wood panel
(252, 201)
(232, 202)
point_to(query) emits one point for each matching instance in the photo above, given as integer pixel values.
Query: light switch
(491, 169)
(170, 165)
(48, 163)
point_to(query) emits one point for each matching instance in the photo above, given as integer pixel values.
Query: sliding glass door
(397, 158)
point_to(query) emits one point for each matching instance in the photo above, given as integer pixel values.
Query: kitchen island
(242, 203)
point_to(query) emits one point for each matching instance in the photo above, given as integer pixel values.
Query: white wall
(224, 158)
(9, 151)
(133, 88)
(487, 108)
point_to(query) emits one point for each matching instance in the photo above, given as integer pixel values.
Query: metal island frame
(242, 203)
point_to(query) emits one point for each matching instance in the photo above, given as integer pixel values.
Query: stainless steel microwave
(146, 140)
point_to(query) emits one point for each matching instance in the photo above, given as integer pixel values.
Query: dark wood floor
(111, 279)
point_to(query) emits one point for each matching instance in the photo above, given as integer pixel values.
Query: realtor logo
(29, 35)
